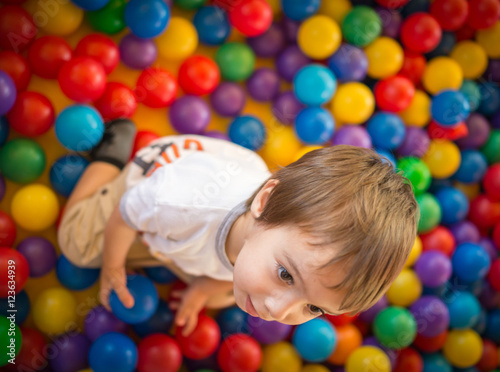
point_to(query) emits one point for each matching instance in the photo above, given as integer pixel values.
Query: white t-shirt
(184, 193)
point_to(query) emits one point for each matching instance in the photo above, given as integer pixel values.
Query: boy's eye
(315, 310)
(285, 275)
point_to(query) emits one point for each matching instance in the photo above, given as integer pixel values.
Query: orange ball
(349, 338)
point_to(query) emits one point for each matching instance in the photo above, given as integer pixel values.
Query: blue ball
(470, 89)
(490, 99)
(232, 320)
(247, 131)
(212, 25)
(470, 262)
(79, 127)
(454, 205)
(492, 331)
(298, 10)
(472, 167)
(386, 130)
(314, 125)
(464, 309)
(4, 130)
(145, 300)
(112, 352)
(445, 46)
(314, 85)
(74, 277)
(160, 274)
(147, 18)
(480, 326)
(387, 157)
(90, 4)
(315, 340)
(435, 362)
(349, 63)
(65, 173)
(449, 107)
(22, 305)
(161, 321)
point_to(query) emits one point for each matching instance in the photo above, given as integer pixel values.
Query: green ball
(8, 334)
(361, 26)
(395, 327)
(22, 160)
(189, 4)
(430, 212)
(417, 173)
(470, 89)
(110, 19)
(491, 148)
(236, 61)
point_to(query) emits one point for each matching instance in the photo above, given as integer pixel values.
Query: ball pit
(415, 80)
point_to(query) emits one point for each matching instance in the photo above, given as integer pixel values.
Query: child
(326, 234)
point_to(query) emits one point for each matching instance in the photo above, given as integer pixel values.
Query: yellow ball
(314, 368)
(35, 207)
(385, 57)
(281, 146)
(275, 6)
(471, 190)
(368, 358)
(304, 150)
(353, 103)
(55, 17)
(471, 57)
(179, 40)
(54, 311)
(281, 357)
(443, 158)
(418, 113)
(335, 9)
(463, 348)
(319, 37)
(406, 289)
(489, 39)
(416, 250)
(442, 73)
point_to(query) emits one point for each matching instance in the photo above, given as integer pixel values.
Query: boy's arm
(118, 238)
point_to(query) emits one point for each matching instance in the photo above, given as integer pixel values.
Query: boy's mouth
(250, 309)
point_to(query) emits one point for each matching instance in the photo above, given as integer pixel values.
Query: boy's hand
(114, 278)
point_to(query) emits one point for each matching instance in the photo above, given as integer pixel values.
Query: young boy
(326, 234)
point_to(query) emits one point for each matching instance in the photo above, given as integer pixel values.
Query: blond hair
(351, 197)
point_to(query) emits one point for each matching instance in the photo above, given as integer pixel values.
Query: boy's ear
(260, 200)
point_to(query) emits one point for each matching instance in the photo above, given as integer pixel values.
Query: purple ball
(465, 231)
(291, 29)
(433, 268)
(479, 131)
(488, 297)
(228, 99)
(267, 332)
(391, 21)
(2, 187)
(8, 92)
(99, 321)
(217, 134)
(270, 43)
(286, 107)
(368, 316)
(290, 61)
(264, 84)
(69, 352)
(431, 314)
(489, 247)
(492, 72)
(354, 135)
(189, 115)
(416, 142)
(137, 53)
(349, 63)
(40, 254)
(495, 120)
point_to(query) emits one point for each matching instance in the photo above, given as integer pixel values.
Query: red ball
(156, 87)
(142, 139)
(420, 32)
(203, 341)
(251, 17)
(413, 66)
(17, 67)
(451, 14)
(12, 263)
(100, 47)
(8, 230)
(491, 182)
(496, 235)
(430, 344)
(33, 353)
(439, 239)
(409, 360)
(394, 93)
(494, 274)
(437, 131)
(32, 114)
(483, 211)
(159, 352)
(239, 353)
(465, 33)
(489, 359)
(392, 4)
(199, 75)
(341, 320)
(48, 54)
(117, 101)
(82, 79)
(17, 30)
(483, 13)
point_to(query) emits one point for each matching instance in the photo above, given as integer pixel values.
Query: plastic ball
(299, 10)
(264, 84)
(161, 321)
(314, 125)
(10, 257)
(418, 112)
(405, 289)
(158, 352)
(16, 21)
(433, 268)
(451, 14)
(491, 182)
(470, 89)
(420, 32)
(439, 239)
(353, 103)
(156, 87)
(189, 114)
(118, 101)
(464, 309)
(314, 85)
(113, 351)
(8, 230)
(281, 146)
(279, 356)
(450, 107)
(74, 277)
(267, 332)
(178, 41)
(16, 66)
(247, 131)
(417, 173)
(484, 212)
(416, 251)
(354, 26)
(493, 326)
(22, 160)
(371, 356)
(212, 25)
(32, 114)
(198, 75)
(48, 54)
(190, 4)
(387, 157)
(79, 127)
(290, 61)
(137, 53)
(228, 99)
(483, 14)
(490, 98)
(100, 47)
(436, 362)
(40, 254)
(471, 57)
(489, 357)
(270, 43)
(454, 205)
(236, 61)
(385, 57)
(315, 340)
(4, 131)
(319, 37)
(108, 19)
(443, 158)
(286, 107)
(239, 353)
(233, 320)
(490, 147)
(99, 321)
(489, 40)
(354, 135)
(431, 315)
(147, 18)
(413, 66)
(479, 131)
(408, 360)
(251, 17)
(70, 352)
(53, 310)
(394, 93)
(91, 5)
(430, 212)
(8, 93)
(463, 348)
(349, 338)
(470, 262)
(395, 327)
(160, 274)
(386, 130)
(82, 79)
(348, 63)
(145, 300)
(62, 21)
(442, 73)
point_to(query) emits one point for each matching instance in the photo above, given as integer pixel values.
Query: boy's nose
(281, 307)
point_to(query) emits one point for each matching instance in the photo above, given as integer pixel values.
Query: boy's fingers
(190, 325)
(125, 297)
